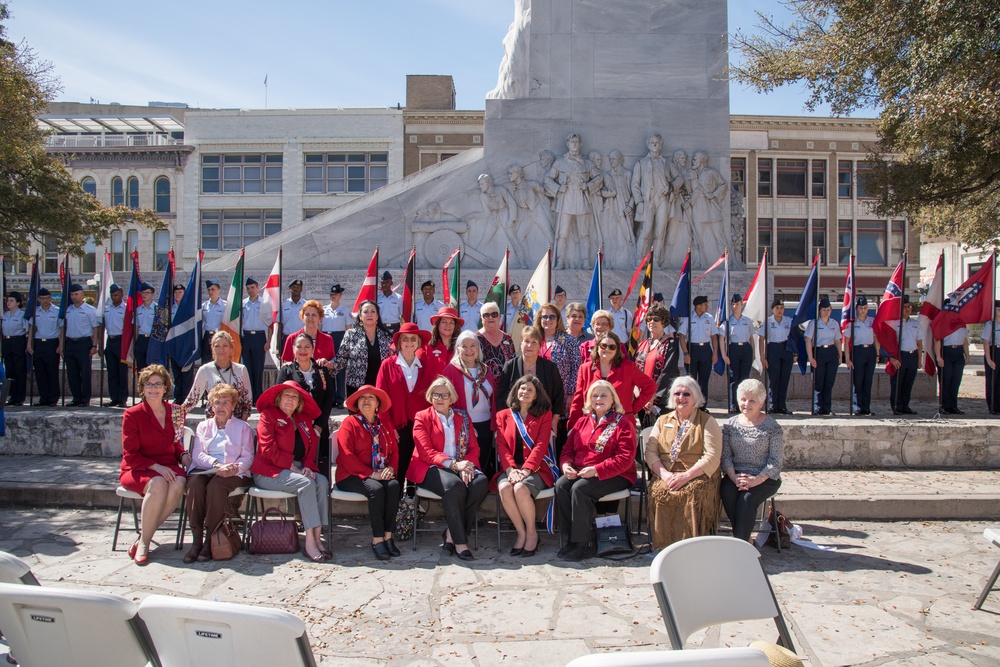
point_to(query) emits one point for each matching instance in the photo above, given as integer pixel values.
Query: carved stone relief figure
(499, 212)
(680, 234)
(545, 161)
(619, 209)
(512, 80)
(737, 227)
(709, 192)
(650, 188)
(571, 180)
(533, 218)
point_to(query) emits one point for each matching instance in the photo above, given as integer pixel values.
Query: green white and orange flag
(451, 277)
(234, 309)
(498, 289)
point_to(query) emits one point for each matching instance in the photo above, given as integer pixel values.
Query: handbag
(613, 541)
(225, 540)
(404, 520)
(273, 537)
(782, 522)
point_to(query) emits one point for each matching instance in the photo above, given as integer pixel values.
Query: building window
(12, 262)
(231, 230)
(312, 212)
(351, 173)
(161, 250)
(133, 192)
(764, 239)
(819, 239)
(241, 174)
(763, 177)
(121, 253)
(89, 186)
(792, 247)
(161, 195)
(738, 171)
(871, 242)
(897, 239)
(50, 262)
(844, 245)
(88, 263)
(864, 172)
(117, 191)
(791, 178)
(819, 179)
(844, 179)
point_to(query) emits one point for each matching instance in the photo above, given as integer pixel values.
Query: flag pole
(899, 329)
(815, 336)
(726, 312)
(31, 331)
(687, 367)
(62, 329)
(850, 348)
(281, 304)
(600, 279)
(940, 369)
(765, 365)
(993, 340)
(506, 290)
(548, 297)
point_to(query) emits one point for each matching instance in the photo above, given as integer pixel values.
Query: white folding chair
(737, 590)
(992, 535)
(13, 570)
(337, 494)
(188, 633)
(708, 657)
(56, 626)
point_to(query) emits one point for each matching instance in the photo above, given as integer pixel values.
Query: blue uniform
(114, 324)
(80, 324)
(699, 347)
(779, 361)
(390, 309)
(906, 374)
(992, 376)
(144, 318)
(45, 357)
(15, 354)
(211, 320)
(826, 336)
(253, 339)
(953, 351)
(335, 322)
(739, 351)
(864, 356)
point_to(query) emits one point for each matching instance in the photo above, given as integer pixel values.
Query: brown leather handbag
(225, 540)
(273, 537)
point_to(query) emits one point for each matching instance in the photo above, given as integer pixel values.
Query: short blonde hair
(588, 407)
(223, 390)
(752, 387)
(606, 314)
(222, 335)
(157, 370)
(441, 381)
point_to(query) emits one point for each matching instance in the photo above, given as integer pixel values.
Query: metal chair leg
(988, 587)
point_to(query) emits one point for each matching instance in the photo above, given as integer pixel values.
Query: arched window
(133, 192)
(117, 191)
(161, 249)
(89, 186)
(161, 192)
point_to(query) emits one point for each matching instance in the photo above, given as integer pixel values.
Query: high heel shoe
(448, 547)
(141, 555)
(528, 553)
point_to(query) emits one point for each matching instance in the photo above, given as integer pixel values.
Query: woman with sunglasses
(563, 350)
(498, 346)
(607, 362)
(658, 358)
(683, 453)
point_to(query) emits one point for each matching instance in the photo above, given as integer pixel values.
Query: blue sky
(315, 53)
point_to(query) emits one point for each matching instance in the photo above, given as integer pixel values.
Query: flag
(367, 291)
(641, 308)
(680, 305)
(932, 306)
(131, 303)
(638, 272)
(184, 338)
(498, 288)
(107, 278)
(755, 307)
(451, 287)
(409, 286)
(155, 353)
(804, 314)
(718, 263)
(722, 314)
(270, 308)
(536, 292)
(66, 280)
(887, 316)
(594, 301)
(972, 302)
(233, 314)
(31, 306)
(847, 310)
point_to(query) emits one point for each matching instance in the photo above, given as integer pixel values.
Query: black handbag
(613, 541)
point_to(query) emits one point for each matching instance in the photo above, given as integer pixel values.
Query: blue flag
(156, 354)
(594, 298)
(184, 338)
(680, 305)
(721, 315)
(805, 313)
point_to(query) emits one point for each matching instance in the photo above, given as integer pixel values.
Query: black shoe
(898, 412)
(465, 555)
(566, 548)
(381, 551)
(956, 411)
(528, 553)
(394, 551)
(578, 553)
(822, 413)
(446, 546)
(907, 411)
(858, 413)
(516, 551)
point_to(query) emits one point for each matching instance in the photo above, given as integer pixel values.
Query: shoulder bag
(225, 540)
(273, 537)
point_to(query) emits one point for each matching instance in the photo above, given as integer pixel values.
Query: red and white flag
(888, 314)
(368, 290)
(755, 306)
(972, 302)
(930, 309)
(270, 304)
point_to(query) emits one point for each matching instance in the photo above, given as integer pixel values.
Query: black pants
(740, 361)
(992, 382)
(741, 506)
(46, 365)
(383, 501)
(339, 395)
(779, 374)
(904, 378)
(576, 502)
(183, 380)
(461, 503)
(117, 371)
(406, 446)
(254, 353)
(141, 349)
(206, 346)
(951, 375)
(864, 359)
(701, 365)
(827, 360)
(487, 449)
(76, 352)
(15, 363)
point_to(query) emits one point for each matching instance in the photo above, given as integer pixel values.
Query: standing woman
(318, 381)
(657, 358)
(559, 347)
(826, 332)
(222, 370)
(601, 322)
(498, 346)
(153, 456)
(311, 315)
(777, 358)
(364, 348)
(477, 391)
(523, 433)
(446, 462)
(952, 354)
(367, 462)
(15, 346)
(445, 326)
(529, 363)
(608, 363)
(405, 382)
(576, 318)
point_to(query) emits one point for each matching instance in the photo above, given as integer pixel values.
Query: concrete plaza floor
(891, 594)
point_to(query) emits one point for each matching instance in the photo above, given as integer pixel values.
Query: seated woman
(682, 451)
(287, 442)
(318, 381)
(446, 462)
(153, 456)
(523, 433)
(223, 444)
(598, 459)
(222, 370)
(367, 462)
(751, 458)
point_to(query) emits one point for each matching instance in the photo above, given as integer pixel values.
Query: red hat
(309, 408)
(384, 402)
(413, 330)
(447, 311)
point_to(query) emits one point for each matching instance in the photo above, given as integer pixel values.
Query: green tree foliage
(931, 69)
(38, 197)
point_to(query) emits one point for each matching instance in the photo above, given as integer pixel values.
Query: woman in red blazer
(525, 466)
(287, 441)
(471, 377)
(446, 462)
(607, 362)
(153, 456)
(598, 459)
(404, 379)
(367, 460)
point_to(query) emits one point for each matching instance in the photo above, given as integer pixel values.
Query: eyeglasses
(608, 346)
(682, 394)
(153, 385)
(654, 319)
(491, 315)
(219, 403)
(440, 397)
(548, 317)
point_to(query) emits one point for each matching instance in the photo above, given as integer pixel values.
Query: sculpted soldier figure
(650, 188)
(708, 192)
(499, 207)
(680, 235)
(571, 180)
(534, 223)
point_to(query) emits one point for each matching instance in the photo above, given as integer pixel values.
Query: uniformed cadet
(183, 378)
(145, 316)
(336, 321)
(513, 303)
(910, 353)
(826, 357)
(952, 355)
(736, 350)
(290, 309)
(15, 347)
(559, 298)
(469, 309)
(80, 345)
(212, 312)
(114, 326)
(699, 345)
(390, 306)
(427, 306)
(778, 359)
(623, 318)
(46, 348)
(256, 326)
(861, 354)
(991, 332)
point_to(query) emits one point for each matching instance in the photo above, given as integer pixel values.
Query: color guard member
(910, 353)
(861, 355)
(390, 307)
(952, 355)
(257, 328)
(212, 312)
(336, 321)
(737, 353)
(778, 359)
(623, 318)
(991, 332)
(427, 307)
(114, 325)
(145, 315)
(826, 358)
(15, 346)
(290, 309)
(701, 351)
(44, 344)
(469, 309)
(80, 345)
